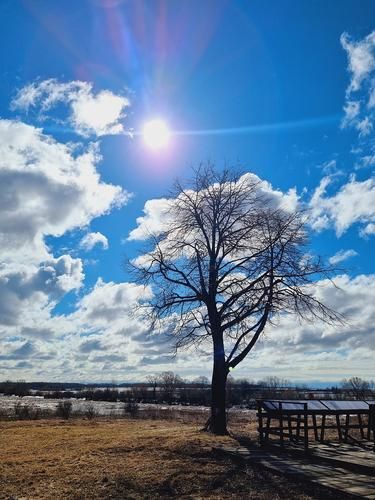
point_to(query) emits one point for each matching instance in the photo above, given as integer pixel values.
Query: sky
(284, 90)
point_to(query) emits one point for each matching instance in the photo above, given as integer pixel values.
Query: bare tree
(357, 387)
(229, 260)
(272, 382)
(272, 386)
(153, 380)
(169, 382)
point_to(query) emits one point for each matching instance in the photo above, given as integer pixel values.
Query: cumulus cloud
(317, 345)
(110, 330)
(110, 301)
(28, 290)
(92, 345)
(321, 351)
(17, 350)
(89, 113)
(91, 239)
(353, 203)
(342, 255)
(100, 339)
(107, 341)
(154, 220)
(46, 189)
(287, 201)
(156, 212)
(103, 338)
(359, 111)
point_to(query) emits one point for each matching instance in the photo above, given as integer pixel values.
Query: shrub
(23, 411)
(131, 408)
(90, 412)
(27, 411)
(64, 409)
(4, 414)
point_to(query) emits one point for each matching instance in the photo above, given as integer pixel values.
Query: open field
(129, 459)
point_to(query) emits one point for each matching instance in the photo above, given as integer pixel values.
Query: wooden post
(298, 430)
(290, 428)
(267, 434)
(260, 423)
(338, 427)
(347, 422)
(371, 424)
(281, 424)
(306, 427)
(323, 428)
(360, 423)
(315, 427)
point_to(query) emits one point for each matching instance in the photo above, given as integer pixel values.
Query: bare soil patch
(130, 459)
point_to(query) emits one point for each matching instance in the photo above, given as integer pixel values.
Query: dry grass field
(129, 459)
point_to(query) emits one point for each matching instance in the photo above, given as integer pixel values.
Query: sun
(156, 134)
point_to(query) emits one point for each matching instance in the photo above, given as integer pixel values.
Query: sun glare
(156, 134)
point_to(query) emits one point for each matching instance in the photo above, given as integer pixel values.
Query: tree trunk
(217, 423)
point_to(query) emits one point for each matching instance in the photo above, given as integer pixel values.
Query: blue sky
(283, 89)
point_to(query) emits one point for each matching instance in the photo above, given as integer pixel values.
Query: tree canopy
(229, 259)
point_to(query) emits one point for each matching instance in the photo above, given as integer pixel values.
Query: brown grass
(128, 459)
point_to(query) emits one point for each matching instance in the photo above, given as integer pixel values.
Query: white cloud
(364, 127)
(110, 301)
(368, 230)
(46, 189)
(342, 255)
(361, 60)
(352, 109)
(360, 94)
(91, 239)
(312, 347)
(104, 339)
(28, 291)
(353, 203)
(371, 102)
(99, 114)
(352, 297)
(156, 219)
(287, 201)
(104, 336)
(366, 161)
(107, 331)
(319, 351)
(330, 168)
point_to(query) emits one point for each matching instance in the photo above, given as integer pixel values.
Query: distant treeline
(170, 388)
